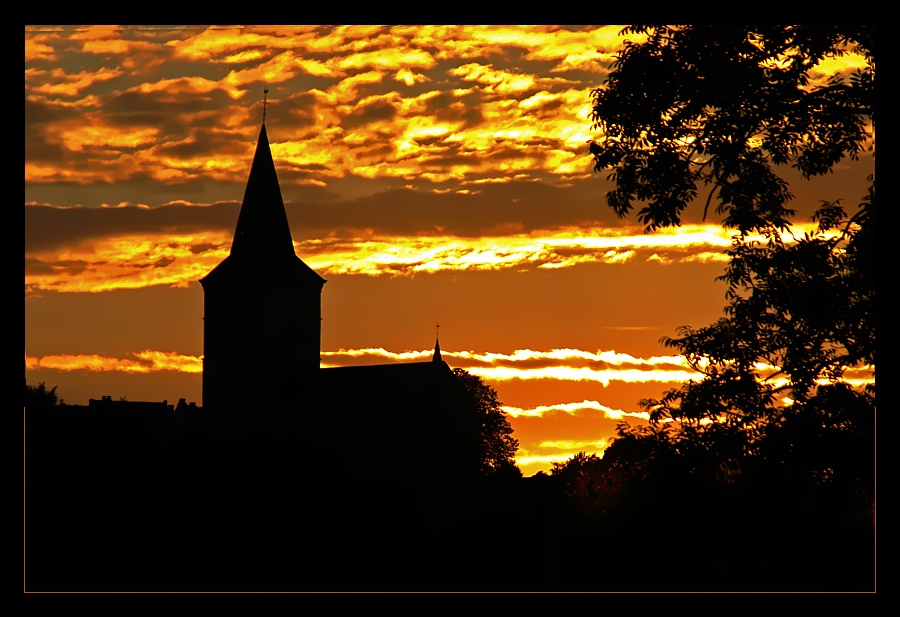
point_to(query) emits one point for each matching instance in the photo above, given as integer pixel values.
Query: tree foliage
(39, 397)
(589, 480)
(799, 315)
(726, 109)
(498, 446)
(720, 106)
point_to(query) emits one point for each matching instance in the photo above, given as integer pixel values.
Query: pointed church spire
(437, 347)
(260, 302)
(262, 229)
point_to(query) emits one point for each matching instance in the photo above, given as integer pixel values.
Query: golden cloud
(526, 364)
(38, 47)
(146, 362)
(572, 409)
(135, 261)
(59, 82)
(150, 360)
(499, 81)
(546, 130)
(129, 262)
(278, 69)
(570, 373)
(82, 137)
(223, 43)
(384, 60)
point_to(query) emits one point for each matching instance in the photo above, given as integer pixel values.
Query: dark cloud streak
(399, 212)
(405, 212)
(48, 228)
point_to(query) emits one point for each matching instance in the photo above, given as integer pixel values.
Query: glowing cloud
(224, 43)
(146, 362)
(130, 262)
(525, 364)
(149, 360)
(58, 82)
(38, 47)
(569, 373)
(518, 121)
(573, 409)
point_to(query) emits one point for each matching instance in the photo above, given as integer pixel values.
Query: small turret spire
(437, 345)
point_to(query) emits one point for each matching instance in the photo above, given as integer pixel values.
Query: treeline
(123, 504)
(267, 498)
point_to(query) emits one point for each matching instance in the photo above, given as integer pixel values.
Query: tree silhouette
(585, 478)
(772, 422)
(39, 397)
(498, 446)
(722, 106)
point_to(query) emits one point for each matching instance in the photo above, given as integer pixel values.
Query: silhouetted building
(261, 347)
(262, 304)
(108, 404)
(289, 476)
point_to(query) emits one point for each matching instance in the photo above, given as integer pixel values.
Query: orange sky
(432, 174)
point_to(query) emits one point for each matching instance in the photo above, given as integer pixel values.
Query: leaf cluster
(40, 397)
(799, 315)
(721, 107)
(498, 446)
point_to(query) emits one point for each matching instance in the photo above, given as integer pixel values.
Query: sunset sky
(431, 174)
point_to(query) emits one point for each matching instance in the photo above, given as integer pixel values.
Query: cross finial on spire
(265, 102)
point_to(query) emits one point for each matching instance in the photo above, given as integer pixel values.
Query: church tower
(262, 305)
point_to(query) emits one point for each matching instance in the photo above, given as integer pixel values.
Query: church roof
(262, 237)
(399, 369)
(415, 387)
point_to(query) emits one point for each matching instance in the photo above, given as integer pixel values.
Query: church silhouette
(288, 477)
(261, 354)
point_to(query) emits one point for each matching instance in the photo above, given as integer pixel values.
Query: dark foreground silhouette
(115, 504)
(188, 502)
